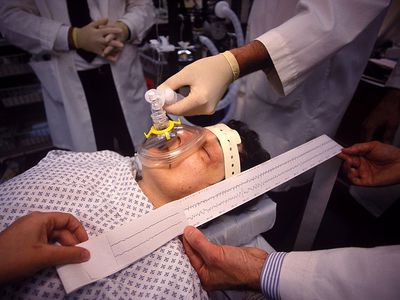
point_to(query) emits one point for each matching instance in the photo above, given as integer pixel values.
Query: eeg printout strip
(117, 249)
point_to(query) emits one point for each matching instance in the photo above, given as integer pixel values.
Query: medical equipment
(170, 141)
(167, 141)
(226, 107)
(195, 32)
(229, 140)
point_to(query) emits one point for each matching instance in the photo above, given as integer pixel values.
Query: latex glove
(208, 79)
(223, 267)
(372, 164)
(92, 36)
(115, 42)
(25, 248)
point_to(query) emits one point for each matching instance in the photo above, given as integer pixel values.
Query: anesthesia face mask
(171, 145)
(170, 142)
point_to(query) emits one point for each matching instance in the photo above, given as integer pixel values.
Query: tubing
(222, 10)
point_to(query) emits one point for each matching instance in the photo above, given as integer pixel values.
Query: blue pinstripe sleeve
(269, 279)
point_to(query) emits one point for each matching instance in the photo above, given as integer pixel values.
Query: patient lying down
(105, 190)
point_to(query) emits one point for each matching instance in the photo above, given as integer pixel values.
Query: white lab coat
(319, 49)
(348, 273)
(33, 26)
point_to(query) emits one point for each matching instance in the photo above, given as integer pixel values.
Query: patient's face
(202, 168)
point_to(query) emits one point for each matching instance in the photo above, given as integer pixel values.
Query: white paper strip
(112, 251)
(115, 250)
(217, 199)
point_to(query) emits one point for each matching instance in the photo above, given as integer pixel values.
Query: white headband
(229, 140)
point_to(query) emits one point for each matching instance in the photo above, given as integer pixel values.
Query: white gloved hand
(208, 79)
(92, 36)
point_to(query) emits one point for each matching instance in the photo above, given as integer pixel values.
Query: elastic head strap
(229, 140)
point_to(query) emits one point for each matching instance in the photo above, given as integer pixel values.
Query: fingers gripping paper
(114, 250)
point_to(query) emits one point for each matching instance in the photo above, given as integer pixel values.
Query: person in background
(382, 122)
(313, 53)
(344, 273)
(86, 58)
(304, 60)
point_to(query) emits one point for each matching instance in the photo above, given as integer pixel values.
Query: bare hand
(223, 267)
(372, 164)
(25, 247)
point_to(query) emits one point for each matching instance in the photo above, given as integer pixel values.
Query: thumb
(197, 240)
(61, 255)
(99, 22)
(187, 106)
(358, 149)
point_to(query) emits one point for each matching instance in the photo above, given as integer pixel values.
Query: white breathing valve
(158, 98)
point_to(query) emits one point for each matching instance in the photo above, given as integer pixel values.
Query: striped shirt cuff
(269, 279)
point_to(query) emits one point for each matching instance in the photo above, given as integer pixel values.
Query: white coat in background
(33, 26)
(319, 49)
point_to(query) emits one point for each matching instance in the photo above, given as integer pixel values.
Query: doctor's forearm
(253, 57)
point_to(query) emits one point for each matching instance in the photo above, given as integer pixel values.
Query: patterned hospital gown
(100, 190)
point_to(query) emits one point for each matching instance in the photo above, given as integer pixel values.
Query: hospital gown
(100, 190)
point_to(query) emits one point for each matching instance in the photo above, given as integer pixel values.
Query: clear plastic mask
(164, 149)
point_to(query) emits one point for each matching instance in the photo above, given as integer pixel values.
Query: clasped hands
(101, 37)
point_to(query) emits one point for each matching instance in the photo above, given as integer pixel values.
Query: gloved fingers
(183, 107)
(188, 106)
(177, 80)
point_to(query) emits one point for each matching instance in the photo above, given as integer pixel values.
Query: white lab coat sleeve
(344, 273)
(22, 25)
(139, 17)
(317, 31)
